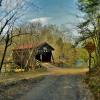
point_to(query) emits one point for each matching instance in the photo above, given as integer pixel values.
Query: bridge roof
(33, 46)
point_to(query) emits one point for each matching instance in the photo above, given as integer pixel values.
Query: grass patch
(93, 80)
(41, 69)
(62, 65)
(14, 76)
(66, 65)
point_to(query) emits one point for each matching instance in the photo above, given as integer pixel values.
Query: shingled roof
(19, 47)
(30, 46)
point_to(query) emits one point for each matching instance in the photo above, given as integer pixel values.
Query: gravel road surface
(61, 87)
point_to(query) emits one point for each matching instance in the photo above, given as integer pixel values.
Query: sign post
(90, 47)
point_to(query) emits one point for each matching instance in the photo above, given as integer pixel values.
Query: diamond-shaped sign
(90, 47)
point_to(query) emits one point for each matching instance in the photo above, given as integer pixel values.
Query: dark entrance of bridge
(44, 57)
(44, 53)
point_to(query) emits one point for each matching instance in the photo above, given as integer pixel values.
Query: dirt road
(59, 87)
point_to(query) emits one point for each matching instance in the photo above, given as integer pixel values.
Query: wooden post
(52, 58)
(90, 47)
(90, 62)
(41, 57)
(21, 59)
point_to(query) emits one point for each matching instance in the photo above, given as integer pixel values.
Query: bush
(93, 80)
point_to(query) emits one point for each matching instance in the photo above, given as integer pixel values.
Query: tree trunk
(4, 54)
(98, 45)
(98, 50)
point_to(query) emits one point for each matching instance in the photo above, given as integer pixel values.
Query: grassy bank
(93, 80)
(14, 76)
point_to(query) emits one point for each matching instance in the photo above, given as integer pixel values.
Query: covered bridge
(26, 55)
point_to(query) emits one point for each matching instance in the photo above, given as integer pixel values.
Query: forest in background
(36, 33)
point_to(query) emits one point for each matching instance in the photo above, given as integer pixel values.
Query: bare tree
(8, 18)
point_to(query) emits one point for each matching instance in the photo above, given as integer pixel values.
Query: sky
(55, 11)
(58, 12)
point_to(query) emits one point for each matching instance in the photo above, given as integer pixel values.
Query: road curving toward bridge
(59, 87)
